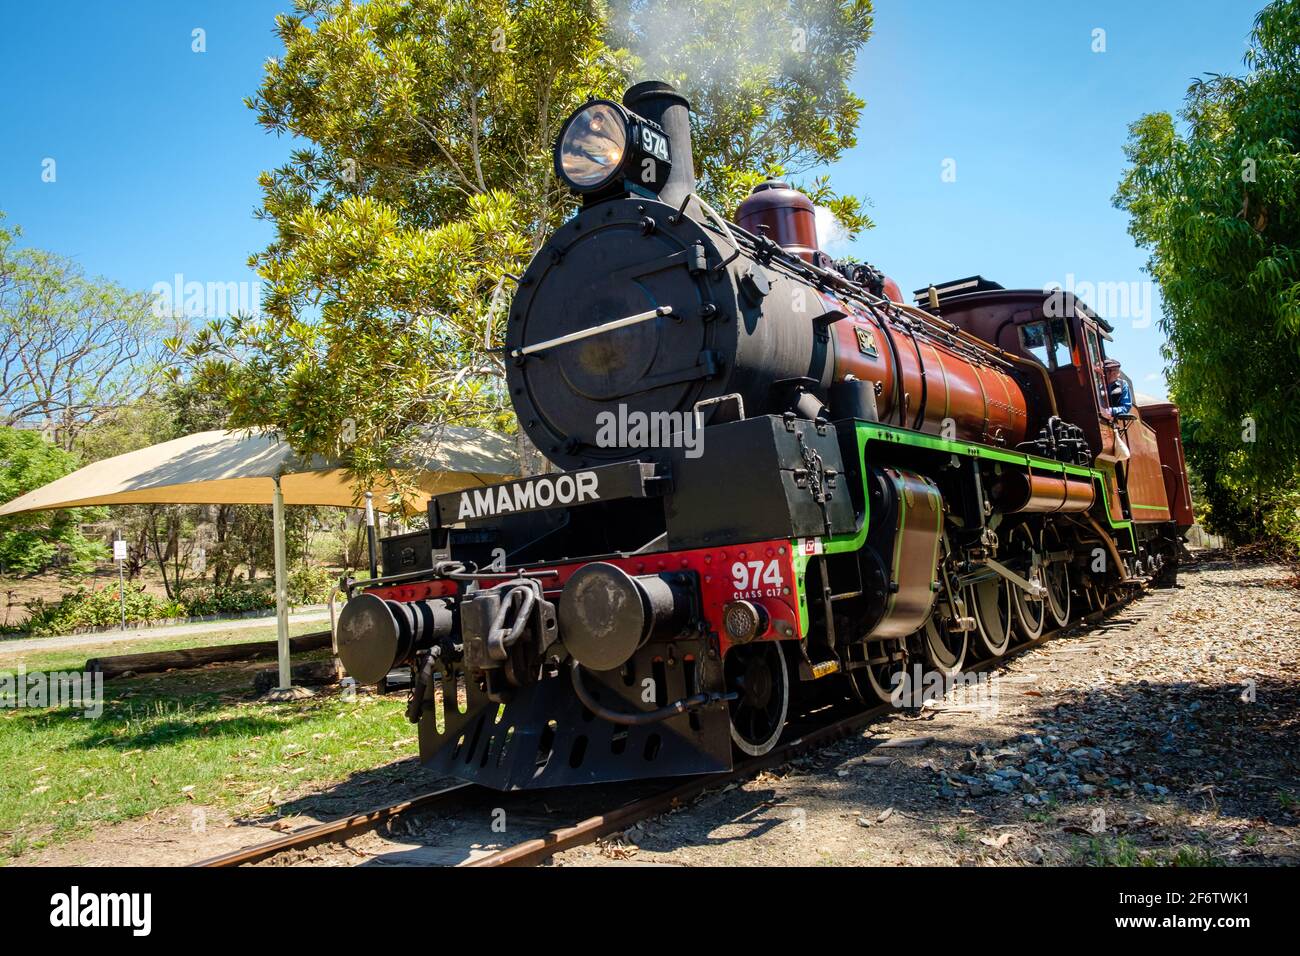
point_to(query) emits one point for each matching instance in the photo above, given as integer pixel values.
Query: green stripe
(886, 433)
(853, 542)
(832, 545)
(971, 449)
(868, 432)
(800, 583)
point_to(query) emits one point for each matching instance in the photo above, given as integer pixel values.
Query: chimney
(660, 102)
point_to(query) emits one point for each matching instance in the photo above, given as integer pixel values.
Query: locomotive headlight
(603, 147)
(591, 146)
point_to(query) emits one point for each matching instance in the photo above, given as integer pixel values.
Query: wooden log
(311, 674)
(191, 657)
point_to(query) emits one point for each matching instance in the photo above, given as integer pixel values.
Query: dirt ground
(181, 835)
(1166, 736)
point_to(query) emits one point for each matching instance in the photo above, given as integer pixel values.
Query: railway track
(543, 843)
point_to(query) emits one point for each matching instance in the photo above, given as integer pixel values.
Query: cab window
(1060, 344)
(1049, 342)
(1034, 338)
(1096, 358)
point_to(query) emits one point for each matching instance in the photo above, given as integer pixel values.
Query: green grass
(1046, 813)
(1121, 851)
(170, 739)
(1101, 851)
(1193, 856)
(74, 658)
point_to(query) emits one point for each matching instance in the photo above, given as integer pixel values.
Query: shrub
(90, 607)
(1282, 521)
(239, 597)
(98, 607)
(308, 585)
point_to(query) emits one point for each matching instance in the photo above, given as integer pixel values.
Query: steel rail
(338, 830)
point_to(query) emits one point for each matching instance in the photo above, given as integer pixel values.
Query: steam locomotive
(768, 474)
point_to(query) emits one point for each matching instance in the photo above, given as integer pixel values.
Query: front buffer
(617, 675)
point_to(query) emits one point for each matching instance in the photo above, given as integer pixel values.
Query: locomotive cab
(1142, 470)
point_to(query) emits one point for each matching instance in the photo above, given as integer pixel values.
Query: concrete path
(157, 633)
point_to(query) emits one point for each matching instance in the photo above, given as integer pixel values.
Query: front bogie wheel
(943, 647)
(877, 675)
(758, 674)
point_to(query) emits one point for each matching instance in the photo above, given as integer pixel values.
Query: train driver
(1117, 391)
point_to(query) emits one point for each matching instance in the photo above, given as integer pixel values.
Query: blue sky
(157, 157)
(1035, 121)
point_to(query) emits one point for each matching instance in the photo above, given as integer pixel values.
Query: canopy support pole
(371, 535)
(281, 587)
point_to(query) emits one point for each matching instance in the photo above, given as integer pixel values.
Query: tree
(428, 180)
(1216, 200)
(29, 542)
(73, 349)
(172, 410)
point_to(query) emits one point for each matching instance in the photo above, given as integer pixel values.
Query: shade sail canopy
(228, 467)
